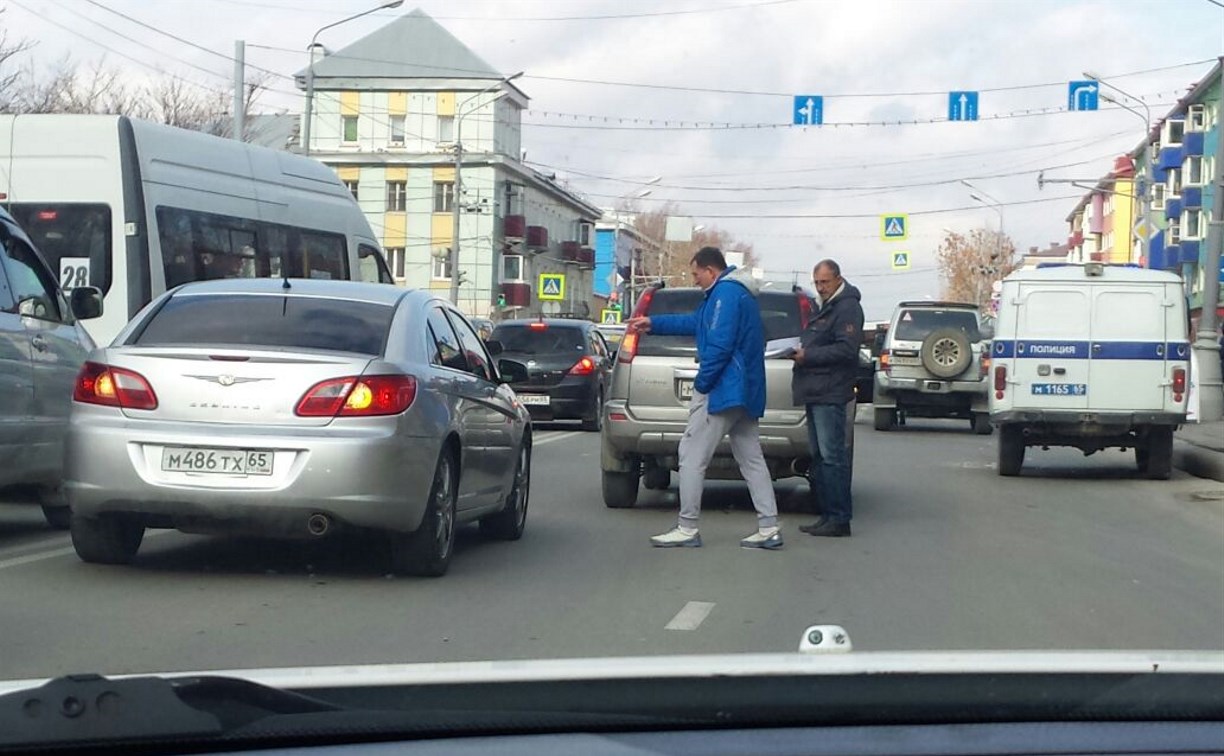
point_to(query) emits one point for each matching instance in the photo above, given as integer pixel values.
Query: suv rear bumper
(892, 390)
(1070, 419)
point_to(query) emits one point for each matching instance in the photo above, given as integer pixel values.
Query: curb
(1200, 462)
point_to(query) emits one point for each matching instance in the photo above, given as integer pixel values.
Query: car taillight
(643, 303)
(885, 360)
(985, 367)
(1000, 382)
(628, 347)
(537, 326)
(1179, 383)
(113, 387)
(584, 366)
(359, 396)
(805, 309)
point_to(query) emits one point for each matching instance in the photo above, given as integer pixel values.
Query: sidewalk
(1198, 448)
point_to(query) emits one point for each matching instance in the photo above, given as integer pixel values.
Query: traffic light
(501, 300)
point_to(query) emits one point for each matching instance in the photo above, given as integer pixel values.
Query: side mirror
(495, 347)
(512, 371)
(33, 307)
(85, 302)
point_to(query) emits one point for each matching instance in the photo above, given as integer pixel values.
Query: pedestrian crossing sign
(552, 287)
(894, 227)
(610, 317)
(900, 260)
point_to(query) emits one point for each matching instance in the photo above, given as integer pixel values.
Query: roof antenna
(285, 285)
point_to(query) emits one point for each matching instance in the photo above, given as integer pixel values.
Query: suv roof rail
(937, 303)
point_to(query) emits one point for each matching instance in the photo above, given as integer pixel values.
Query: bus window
(323, 255)
(75, 240)
(373, 266)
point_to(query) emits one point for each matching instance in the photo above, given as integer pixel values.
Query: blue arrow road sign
(962, 106)
(808, 110)
(1082, 95)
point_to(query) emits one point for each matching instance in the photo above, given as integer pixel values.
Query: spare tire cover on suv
(946, 352)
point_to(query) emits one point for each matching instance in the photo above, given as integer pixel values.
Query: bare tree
(672, 263)
(10, 74)
(970, 263)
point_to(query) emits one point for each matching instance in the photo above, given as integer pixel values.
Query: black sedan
(568, 364)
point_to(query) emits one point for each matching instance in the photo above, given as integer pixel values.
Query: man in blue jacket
(728, 397)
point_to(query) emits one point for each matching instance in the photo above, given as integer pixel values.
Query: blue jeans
(829, 475)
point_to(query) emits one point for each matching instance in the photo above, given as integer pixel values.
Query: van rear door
(1129, 347)
(1051, 350)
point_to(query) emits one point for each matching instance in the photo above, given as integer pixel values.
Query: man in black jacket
(826, 365)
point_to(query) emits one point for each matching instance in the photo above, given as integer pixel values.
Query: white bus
(136, 208)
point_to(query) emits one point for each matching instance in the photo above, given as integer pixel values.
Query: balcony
(1173, 208)
(1171, 157)
(1193, 142)
(571, 251)
(514, 226)
(517, 294)
(1192, 196)
(586, 257)
(537, 237)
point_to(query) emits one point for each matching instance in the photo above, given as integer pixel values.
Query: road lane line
(562, 437)
(691, 616)
(63, 551)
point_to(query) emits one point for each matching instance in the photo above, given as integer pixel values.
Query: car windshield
(917, 324)
(385, 393)
(277, 322)
(534, 339)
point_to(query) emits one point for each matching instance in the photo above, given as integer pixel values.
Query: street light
(1146, 115)
(458, 190)
(310, 65)
(976, 195)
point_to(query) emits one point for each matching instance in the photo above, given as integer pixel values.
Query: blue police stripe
(1099, 350)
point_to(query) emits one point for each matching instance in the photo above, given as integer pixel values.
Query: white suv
(934, 363)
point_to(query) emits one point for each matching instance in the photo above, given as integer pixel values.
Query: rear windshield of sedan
(549, 340)
(916, 325)
(279, 322)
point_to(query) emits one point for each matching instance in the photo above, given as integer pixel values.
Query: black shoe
(829, 529)
(811, 529)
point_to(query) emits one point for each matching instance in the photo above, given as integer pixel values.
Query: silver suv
(934, 364)
(647, 403)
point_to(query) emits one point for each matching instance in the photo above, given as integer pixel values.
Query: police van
(1092, 356)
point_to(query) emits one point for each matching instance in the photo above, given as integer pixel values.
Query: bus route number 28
(74, 272)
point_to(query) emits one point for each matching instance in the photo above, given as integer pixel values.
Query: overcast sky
(755, 55)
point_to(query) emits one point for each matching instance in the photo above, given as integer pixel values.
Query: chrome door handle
(39, 342)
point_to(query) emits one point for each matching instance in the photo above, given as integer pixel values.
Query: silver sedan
(294, 408)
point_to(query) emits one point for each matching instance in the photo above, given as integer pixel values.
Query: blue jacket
(730, 346)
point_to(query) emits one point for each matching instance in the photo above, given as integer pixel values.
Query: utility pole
(239, 89)
(1206, 345)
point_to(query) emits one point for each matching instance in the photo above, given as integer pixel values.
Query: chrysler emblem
(226, 380)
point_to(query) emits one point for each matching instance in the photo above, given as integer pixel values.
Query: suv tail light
(885, 361)
(358, 396)
(1000, 381)
(584, 366)
(984, 369)
(643, 303)
(805, 309)
(1179, 383)
(113, 387)
(628, 347)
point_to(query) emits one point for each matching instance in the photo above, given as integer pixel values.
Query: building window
(1194, 171)
(352, 187)
(1158, 196)
(350, 128)
(397, 192)
(1175, 182)
(395, 260)
(446, 128)
(441, 265)
(584, 234)
(512, 268)
(444, 196)
(1196, 119)
(397, 129)
(1173, 133)
(1174, 231)
(1192, 223)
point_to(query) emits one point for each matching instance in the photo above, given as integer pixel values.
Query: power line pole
(239, 89)
(1206, 345)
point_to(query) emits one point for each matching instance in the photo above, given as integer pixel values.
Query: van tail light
(885, 361)
(1179, 383)
(1000, 381)
(358, 396)
(628, 347)
(584, 366)
(805, 309)
(113, 387)
(985, 367)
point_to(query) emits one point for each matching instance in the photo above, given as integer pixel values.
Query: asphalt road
(1077, 553)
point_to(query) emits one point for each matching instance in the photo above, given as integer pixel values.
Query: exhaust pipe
(800, 467)
(318, 524)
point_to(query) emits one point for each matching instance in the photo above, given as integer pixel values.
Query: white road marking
(691, 616)
(63, 551)
(562, 437)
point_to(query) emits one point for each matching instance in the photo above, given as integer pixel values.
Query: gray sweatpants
(701, 438)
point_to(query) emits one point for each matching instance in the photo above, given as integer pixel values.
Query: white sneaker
(764, 538)
(677, 536)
